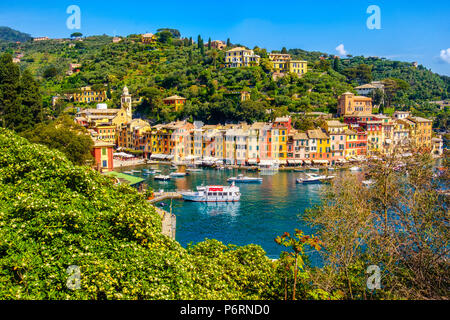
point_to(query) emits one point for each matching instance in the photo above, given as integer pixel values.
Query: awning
(252, 161)
(266, 163)
(123, 155)
(282, 161)
(320, 161)
(295, 161)
(307, 161)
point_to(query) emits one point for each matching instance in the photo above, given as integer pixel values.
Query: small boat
(136, 171)
(213, 194)
(299, 170)
(194, 170)
(162, 204)
(243, 179)
(314, 169)
(355, 169)
(331, 169)
(162, 178)
(128, 172)
(178, 174)
(312, 178)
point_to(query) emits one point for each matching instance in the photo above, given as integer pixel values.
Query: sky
(407, 30)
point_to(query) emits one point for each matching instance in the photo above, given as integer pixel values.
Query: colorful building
(103, 155)
(175, 101)
(349, 104)
(241, 57)
(283, 63)
(88, 95)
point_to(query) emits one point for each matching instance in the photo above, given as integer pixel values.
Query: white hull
(213, 194)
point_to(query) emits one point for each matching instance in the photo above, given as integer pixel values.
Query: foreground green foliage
(54, 215)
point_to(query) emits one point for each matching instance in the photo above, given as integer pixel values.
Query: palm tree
(214, 54)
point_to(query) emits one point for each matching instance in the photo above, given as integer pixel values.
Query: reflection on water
(266, 210)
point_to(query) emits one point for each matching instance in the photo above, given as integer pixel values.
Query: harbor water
(266, 210)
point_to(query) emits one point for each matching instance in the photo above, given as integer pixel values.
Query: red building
(103, 154)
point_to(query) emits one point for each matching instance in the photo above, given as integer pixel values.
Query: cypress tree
(199, 42)
(228, 42)
(31, 103)
(209, 44)
(9, 92)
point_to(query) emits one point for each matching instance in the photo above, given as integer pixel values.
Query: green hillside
(8, 34)
(174, 66)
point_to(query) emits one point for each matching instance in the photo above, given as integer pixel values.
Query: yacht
(178, 174)
(162, 178)
(243, 179)
(311, 178)
(213, 194)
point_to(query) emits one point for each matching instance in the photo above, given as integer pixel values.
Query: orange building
(103, 154)
(176, 101)
(349, 104)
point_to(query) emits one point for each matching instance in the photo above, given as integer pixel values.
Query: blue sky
(410, 30)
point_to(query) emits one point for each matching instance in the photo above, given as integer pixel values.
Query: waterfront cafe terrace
(268, 144)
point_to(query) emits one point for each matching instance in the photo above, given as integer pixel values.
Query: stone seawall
(169, 223)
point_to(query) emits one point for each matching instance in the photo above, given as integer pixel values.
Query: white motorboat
(162, 177)
(243, 179)
(194, 170)
(178, 174)
(312, 178)
(355, 169)
(213, 194)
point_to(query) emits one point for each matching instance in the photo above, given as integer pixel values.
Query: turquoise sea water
(266, 210)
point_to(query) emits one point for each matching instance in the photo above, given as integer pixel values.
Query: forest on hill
(7, 34)
(175, 65)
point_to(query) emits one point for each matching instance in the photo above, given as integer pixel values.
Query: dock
(164, 196)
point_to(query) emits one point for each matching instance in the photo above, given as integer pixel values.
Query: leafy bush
(54, 215)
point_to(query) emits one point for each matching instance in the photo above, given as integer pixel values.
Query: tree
(9, 92)
(391, 87)
(50, 72)
(174, 32)
(284, 50)
(400, 224)
(296, 259)
(66, 136)
(76, 35)
(209, 44)
(31, 103)
(164, 36)
(214, 54)
(337, 64)
(228, 42)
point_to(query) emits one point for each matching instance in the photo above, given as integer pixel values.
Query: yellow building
(87, 95)
(420, 131)
(241, 57)
(349, 104)
(283, 63)
(106, 133)
(148, 38)
(175, 101)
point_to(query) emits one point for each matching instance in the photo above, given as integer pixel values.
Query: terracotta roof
(174, 98)
(317, 134)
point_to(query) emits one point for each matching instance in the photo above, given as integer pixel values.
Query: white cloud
(340, 49)
(445, 55)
